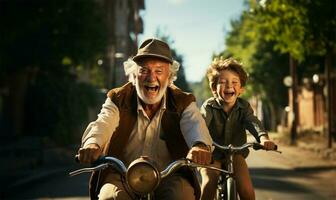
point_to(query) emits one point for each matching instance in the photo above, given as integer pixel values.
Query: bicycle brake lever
(276, 149)
(99, 161)
(257, 146)
(88, 169)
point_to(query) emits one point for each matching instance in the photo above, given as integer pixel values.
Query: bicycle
(226, 186)
(142, 177)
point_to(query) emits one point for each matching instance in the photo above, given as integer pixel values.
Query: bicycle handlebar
(106, 161)
(100, 164)
(119, 165)
(233, 149)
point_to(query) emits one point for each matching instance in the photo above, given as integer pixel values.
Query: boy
(227, 116)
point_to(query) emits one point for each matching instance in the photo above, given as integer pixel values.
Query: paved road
(279, 176)
(60, 187)
(275, 176)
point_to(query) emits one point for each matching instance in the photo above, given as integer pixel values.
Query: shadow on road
(281, 180)
(60, 187)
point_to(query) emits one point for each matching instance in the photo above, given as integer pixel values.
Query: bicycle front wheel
(231, 189)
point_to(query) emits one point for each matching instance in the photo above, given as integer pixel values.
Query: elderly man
(148, 116)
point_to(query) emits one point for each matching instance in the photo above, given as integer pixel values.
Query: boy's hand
(267, 143)
(89, 153)
(200, 154)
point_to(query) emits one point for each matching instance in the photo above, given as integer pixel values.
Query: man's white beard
(146, 100)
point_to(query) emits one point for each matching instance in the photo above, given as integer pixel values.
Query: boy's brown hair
(220, 64)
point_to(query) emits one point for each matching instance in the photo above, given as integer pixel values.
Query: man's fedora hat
(154, 48)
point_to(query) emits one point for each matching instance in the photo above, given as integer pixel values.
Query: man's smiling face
(152, 80)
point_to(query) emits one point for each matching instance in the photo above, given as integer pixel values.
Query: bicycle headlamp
(142, 176)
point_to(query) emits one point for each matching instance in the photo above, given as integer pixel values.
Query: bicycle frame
(226, 188)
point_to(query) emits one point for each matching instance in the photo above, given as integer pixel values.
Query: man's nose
(151, 76)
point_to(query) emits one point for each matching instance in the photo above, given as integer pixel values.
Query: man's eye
(143, 71)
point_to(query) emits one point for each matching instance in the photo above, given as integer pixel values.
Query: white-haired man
(148, 116)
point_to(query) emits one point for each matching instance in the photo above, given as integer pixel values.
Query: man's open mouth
(152, 88)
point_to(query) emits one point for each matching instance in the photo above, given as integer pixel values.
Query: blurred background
(58, 58)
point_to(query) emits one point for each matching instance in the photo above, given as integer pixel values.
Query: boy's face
(228, 87)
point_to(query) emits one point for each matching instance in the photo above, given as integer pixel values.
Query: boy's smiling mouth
(229, 94)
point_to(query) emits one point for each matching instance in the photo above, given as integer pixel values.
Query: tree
(322, 41)
(42, 43)
(42, 33)
(265, 66)
(302, 29)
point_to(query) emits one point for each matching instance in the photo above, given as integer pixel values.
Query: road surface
(290, 175)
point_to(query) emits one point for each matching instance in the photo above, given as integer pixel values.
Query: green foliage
(41, 33)
(57, 107)
(267, 74)
(301, 28)
(284, 21)
(266, 67)
(321, 35)
(264, 37)
(242, 40)
(49, 41)
(201, 90)
(94, 74)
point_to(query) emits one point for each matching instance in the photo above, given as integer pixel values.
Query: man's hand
(200, 154)
(267, 143)
(89, 153)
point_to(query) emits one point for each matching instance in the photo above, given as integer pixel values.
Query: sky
(197, 27)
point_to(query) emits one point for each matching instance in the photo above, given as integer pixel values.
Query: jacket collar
(215, 103)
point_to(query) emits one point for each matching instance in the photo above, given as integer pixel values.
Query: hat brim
(148, 55)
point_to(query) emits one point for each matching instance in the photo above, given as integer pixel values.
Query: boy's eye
(223, 82)
(235, 83)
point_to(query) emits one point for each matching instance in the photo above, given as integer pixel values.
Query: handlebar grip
(275, 147)
(257, 146)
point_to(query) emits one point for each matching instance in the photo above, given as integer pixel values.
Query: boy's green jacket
(231, 128)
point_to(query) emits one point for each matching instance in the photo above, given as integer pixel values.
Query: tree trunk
(273, 117)
(329, 109)
(295, 108)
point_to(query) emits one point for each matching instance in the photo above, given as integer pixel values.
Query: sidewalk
(25, 163)
(310, 152)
